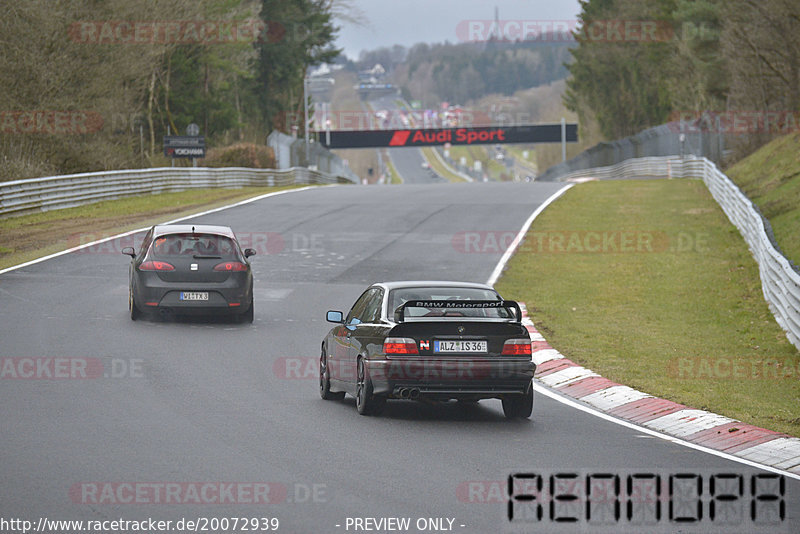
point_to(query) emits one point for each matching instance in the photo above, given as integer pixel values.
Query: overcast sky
(407, 22)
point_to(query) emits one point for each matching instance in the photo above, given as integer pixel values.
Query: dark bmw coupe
(429, 340)
(190, 269)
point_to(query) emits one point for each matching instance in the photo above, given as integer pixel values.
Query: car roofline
(165, 229)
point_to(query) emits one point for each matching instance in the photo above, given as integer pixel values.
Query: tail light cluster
(400, 345)
(156, 266)
(517, 347)
(230, 266)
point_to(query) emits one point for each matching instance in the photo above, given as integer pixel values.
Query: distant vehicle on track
(428, 340)
(190, 269)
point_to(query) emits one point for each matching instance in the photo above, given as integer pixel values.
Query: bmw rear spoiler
(400, 312)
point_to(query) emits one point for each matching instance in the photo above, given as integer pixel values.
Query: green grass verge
(28, 237)
(437, 165)
(675, 309)
(770, 177)
(394, 175)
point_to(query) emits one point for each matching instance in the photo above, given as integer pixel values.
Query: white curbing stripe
(546, 355)
(566, 376)
(687, 422)
(536, 336)
(783, 453)
(613, 397)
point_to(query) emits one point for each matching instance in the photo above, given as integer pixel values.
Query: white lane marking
(543, 390)
(498, 270)
(547, 392)
(94, 243)
(609, 398)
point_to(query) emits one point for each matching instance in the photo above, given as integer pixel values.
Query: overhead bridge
(484, 135)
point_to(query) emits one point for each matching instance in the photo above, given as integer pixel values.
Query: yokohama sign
(490, 135)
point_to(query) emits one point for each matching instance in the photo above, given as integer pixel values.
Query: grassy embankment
(770, 177)
(32, 236)
(648, 284)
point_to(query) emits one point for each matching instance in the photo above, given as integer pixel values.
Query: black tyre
(325, 380)
(519, 406)
(366, 402)
(247, 317)
(134, 311)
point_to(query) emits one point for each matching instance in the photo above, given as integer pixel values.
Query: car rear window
(194, 244)
(398, 297)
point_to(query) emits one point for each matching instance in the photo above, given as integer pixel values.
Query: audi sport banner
(485, 135)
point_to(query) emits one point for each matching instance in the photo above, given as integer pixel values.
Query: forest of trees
(87, 85)
(708, 56)
(458, 73)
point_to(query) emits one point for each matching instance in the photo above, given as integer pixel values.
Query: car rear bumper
(466, 378)
(230, 297)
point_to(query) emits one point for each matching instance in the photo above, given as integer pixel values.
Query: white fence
(56, 192)
(779, 279)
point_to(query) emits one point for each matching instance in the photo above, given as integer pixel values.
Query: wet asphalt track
(210, 401)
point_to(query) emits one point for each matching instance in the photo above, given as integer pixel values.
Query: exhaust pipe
(402, 393)
(413, 393)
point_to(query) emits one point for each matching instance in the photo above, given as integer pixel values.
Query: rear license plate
(194, 295)
(459, 346)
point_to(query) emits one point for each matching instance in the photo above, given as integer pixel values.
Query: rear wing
(400, 312)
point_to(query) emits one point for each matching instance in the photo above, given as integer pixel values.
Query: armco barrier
(780, 279)
(56, 192)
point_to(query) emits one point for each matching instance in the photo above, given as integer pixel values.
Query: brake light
(156, 266)
(399, 345)
(231, 266)
(517, 347)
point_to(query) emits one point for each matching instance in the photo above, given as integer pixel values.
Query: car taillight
(399, 345)
(517, 347)
(156, 266)
(230, 266)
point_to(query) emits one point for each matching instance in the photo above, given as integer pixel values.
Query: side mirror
(335, 317)
(249, 252)
(128, 251)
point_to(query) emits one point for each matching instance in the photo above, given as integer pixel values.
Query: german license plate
(194, 295)
(459, 346)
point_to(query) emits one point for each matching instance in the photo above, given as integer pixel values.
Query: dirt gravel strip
(702, 428)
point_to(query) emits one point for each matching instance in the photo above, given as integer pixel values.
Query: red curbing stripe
(587, 386)
(766, 435)
(733, 435)
(645, 410)
(552, 366)
(540, 345)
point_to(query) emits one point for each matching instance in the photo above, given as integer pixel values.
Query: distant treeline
(645, 62)
(458, 73)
